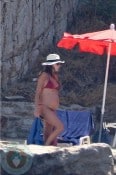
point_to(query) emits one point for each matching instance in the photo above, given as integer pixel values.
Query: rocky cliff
(29, 28)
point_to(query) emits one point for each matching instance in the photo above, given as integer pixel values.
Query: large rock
(95, 159)
(16, 119)
(28, 29)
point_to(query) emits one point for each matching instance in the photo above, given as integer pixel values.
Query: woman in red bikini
(47, 99)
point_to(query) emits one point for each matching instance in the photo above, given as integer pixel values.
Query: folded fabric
(62, 115)
(79, 124)
(36, 132)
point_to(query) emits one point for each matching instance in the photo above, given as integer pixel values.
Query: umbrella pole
(104, 92)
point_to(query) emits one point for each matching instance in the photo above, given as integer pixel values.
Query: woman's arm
(38, 101)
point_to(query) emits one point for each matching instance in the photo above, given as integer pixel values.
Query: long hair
(48, 69)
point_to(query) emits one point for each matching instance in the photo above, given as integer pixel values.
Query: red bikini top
(51, 85)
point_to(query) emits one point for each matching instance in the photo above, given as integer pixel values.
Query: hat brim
(52, 63)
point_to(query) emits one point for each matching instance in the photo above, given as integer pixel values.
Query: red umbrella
(98, 43)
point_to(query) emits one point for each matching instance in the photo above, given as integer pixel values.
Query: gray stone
(14, 97)
(94, 159)
(28, 29)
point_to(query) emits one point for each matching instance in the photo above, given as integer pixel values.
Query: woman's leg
(47, 130)
(52, 121)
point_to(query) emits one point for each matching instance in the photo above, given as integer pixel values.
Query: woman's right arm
(38, 101)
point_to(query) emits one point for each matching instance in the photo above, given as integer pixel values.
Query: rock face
(95, 159)
(29, 28)
(16, 119)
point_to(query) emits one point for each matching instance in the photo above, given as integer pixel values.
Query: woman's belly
(50, 98)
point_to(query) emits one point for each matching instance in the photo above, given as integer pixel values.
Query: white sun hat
(52, 59)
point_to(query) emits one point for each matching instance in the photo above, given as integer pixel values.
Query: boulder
(92, 159)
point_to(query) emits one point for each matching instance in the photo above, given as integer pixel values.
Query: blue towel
(79, 124)
(62, 115)
(36, 132)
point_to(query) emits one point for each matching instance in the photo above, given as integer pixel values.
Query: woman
(47, 99)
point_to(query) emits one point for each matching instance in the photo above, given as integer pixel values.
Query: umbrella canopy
(97, 43)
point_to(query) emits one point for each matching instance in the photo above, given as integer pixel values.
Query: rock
(16, 119)
(28, 29)
(94, 159)
(14, 98)
(114, 156)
